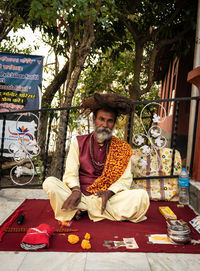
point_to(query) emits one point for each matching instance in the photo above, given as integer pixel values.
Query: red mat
(39, 211)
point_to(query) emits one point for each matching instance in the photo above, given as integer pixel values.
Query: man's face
(104, 123)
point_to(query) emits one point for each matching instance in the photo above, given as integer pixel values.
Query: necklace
(97, 165)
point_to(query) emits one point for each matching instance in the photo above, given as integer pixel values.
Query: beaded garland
(97, 165)
(116, 163)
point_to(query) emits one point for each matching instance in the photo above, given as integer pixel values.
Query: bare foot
(79, 214)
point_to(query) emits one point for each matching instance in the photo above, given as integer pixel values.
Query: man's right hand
(72, 201)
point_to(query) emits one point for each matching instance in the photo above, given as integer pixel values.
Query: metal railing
(176, 104)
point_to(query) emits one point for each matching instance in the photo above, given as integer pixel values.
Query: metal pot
(179, 234)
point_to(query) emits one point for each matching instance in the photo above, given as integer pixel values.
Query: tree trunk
(46, 103)
(83, 51)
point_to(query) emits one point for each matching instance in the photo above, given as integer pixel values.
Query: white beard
(102, 134)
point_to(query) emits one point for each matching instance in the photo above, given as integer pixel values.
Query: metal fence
(167, 114)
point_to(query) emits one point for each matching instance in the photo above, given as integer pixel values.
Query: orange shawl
(116, 163)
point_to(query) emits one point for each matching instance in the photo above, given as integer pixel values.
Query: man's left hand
(105, 195)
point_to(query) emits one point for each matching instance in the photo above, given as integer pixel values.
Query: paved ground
(10, 199)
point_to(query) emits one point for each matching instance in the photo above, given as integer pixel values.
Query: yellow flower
(87, 236)
(85, 244)
(73, 239)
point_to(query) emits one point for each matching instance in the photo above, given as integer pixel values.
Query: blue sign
(20, 89)
(20, 82)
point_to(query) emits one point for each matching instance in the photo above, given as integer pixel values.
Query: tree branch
(150, 69)
(170, 19)
(84, 49)
(51, 90)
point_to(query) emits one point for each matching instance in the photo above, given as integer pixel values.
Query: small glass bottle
(183, 187)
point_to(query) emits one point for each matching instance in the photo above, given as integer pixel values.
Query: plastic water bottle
(183, 187)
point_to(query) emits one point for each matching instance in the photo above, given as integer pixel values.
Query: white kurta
(126, 204)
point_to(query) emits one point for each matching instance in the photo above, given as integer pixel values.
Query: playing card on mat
(130, 243)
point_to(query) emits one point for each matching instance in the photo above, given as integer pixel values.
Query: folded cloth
(38, 237)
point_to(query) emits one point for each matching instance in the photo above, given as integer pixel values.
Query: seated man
(98, 175)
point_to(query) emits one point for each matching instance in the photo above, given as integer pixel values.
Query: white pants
(129, 205)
